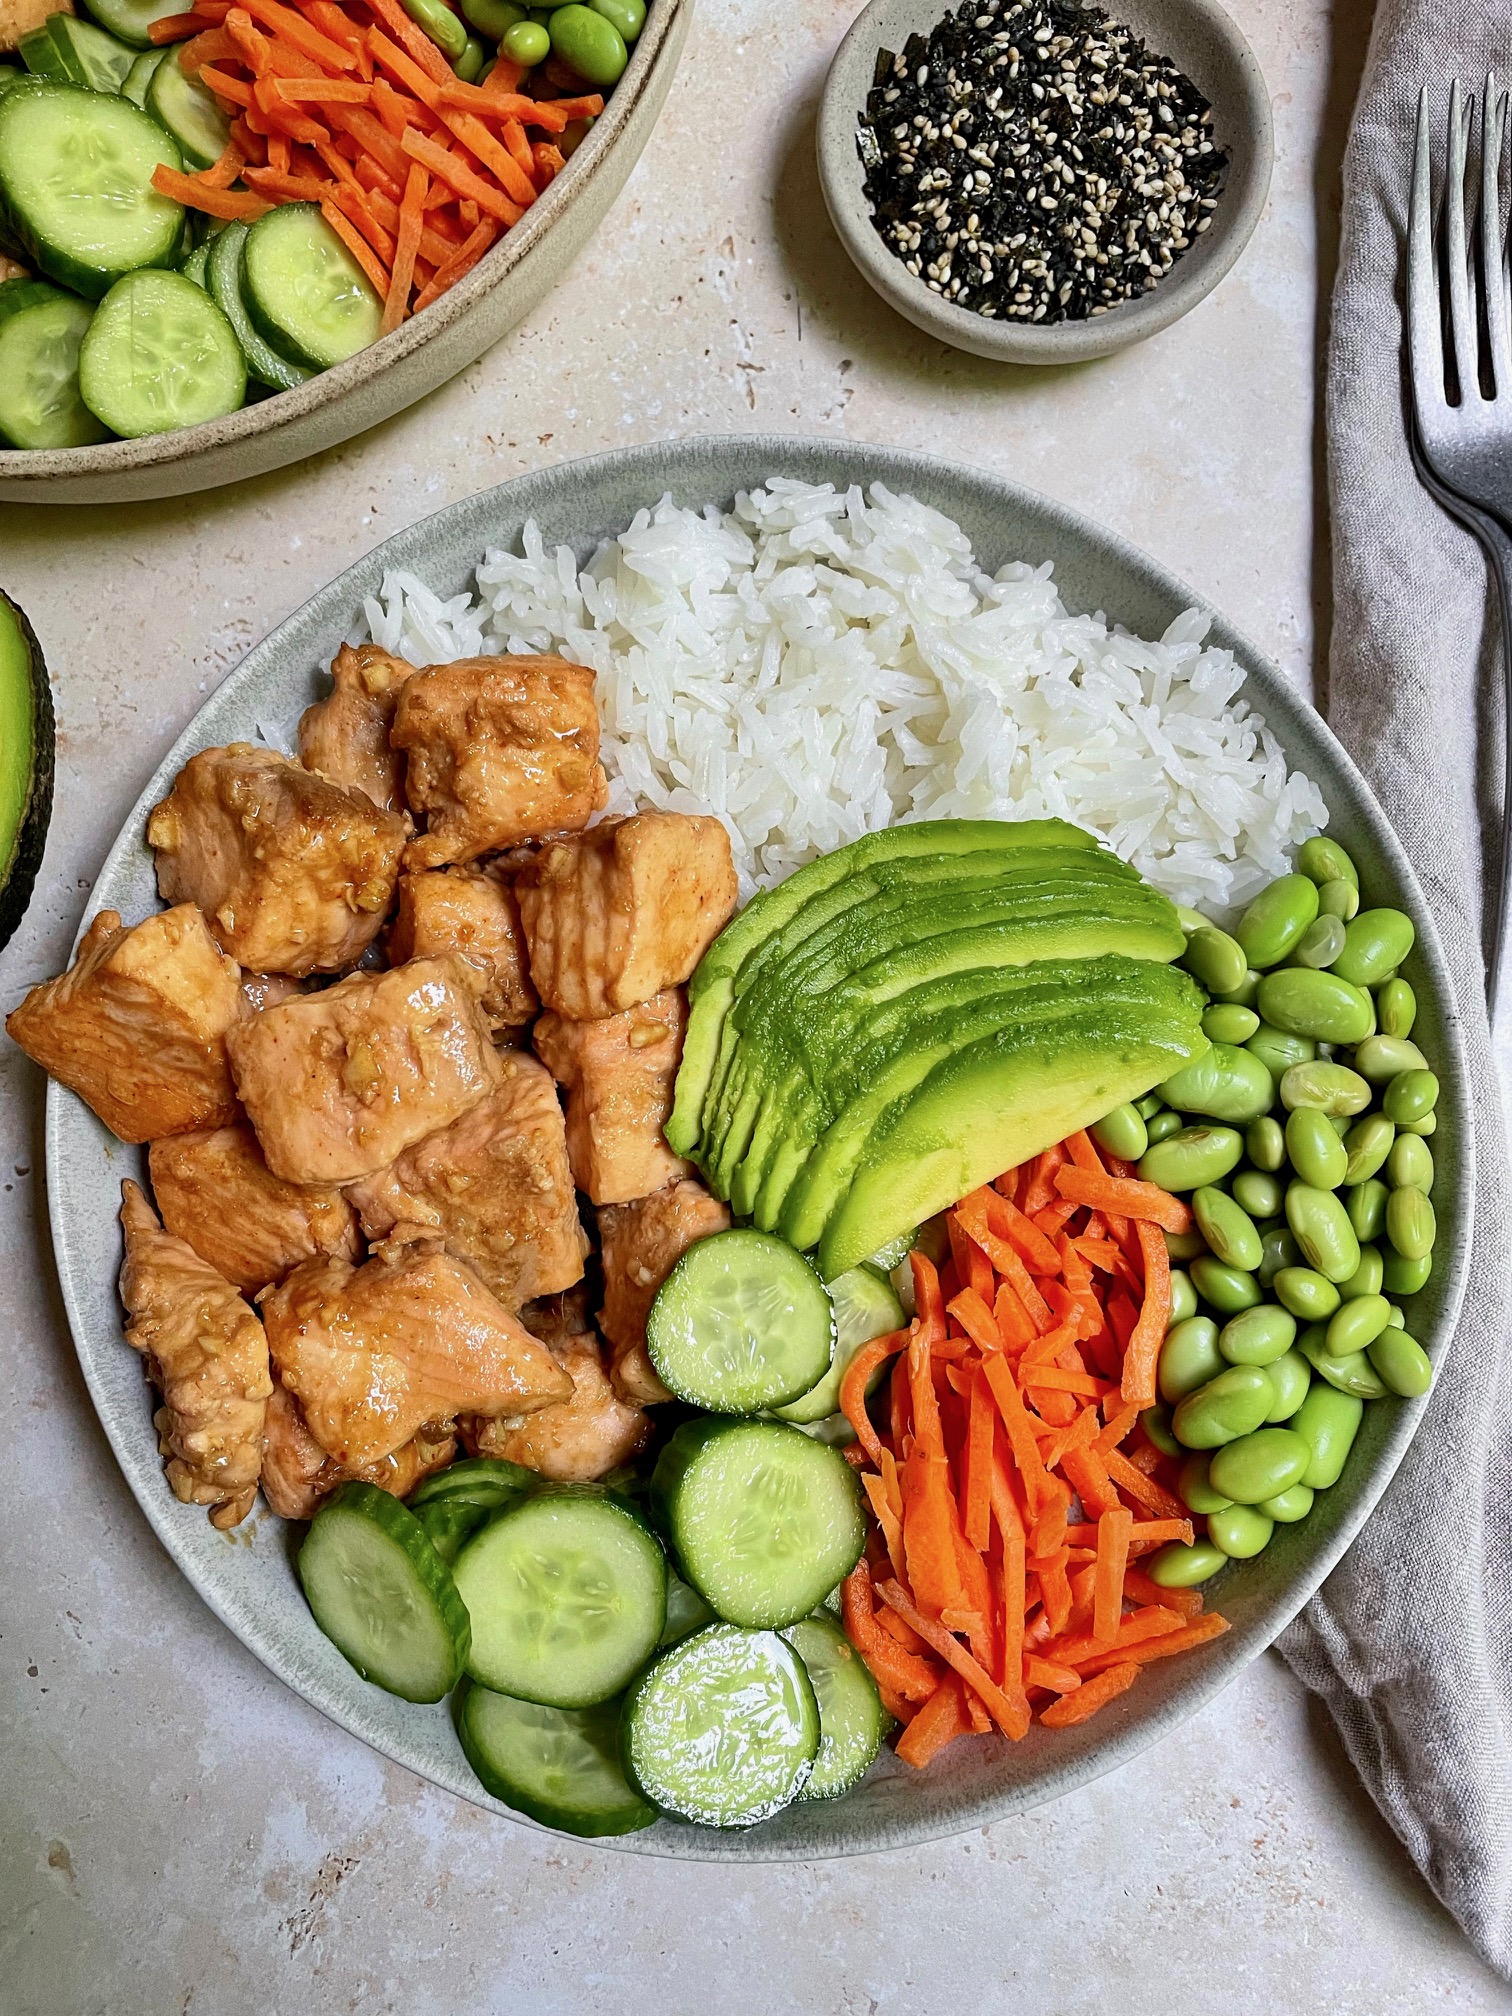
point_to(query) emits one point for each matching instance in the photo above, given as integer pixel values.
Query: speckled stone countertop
(180, 1834)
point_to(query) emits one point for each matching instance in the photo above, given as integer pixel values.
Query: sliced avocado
(997, 1102)
(712, 987)
(26, 763)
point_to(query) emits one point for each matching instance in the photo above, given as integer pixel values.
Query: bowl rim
(38, 466)
(1241, 206)
(1089, 1754)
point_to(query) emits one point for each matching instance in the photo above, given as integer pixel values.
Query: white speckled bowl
(247, 1577)
(1201, 38)
(400, 368)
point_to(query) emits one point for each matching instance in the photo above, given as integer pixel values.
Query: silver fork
(1458, 338)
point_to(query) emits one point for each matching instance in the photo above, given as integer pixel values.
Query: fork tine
(1462, 327)
(1424, 340)
(1493, 264)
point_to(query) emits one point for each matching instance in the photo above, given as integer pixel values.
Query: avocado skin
(30, 838)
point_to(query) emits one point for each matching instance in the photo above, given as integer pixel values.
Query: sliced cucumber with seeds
(160, 355)
(741, 1322)
(41, 329)
(227, 285)
(307, 294)
(139, 76)
(852, 1720)
(485, 1481)
(687, 1611)
(560, 1766)
(764, 1519)
(189, 111)
(76, 185)
(865, 1307)
(382, 1594)
(449, 1525)
(131, 20)
(568, 1596)
(66, 50)
(724, 1728)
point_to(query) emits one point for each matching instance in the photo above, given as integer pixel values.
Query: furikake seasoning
(1037, 162)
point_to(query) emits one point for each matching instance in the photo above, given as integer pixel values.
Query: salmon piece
(218, 1195)
(137, 1026)
(345, 737)
(340, 1082)
(206, 1354)
(297, 1473)
(499, 750)
(642, 1242)
(495, 1187)
(618, 1074)
(294, 874)
(578, 1440)
(615, 915)
(375, 1354)
(472, 912)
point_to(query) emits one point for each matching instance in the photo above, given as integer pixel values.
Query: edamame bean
(1422, 1128)
(628, 16)
(1323, 1231)
(1410, 1096)
(1339, 899)
(528, 43)
(1123, 1133)
(1409, 1166)
(1226, 1289)
(1156, 1423)
(1404, 1277)
(1186, 1245)
(1368, 1144)
(1320, 1005)
(1353, 1375)
(1323, 860)
(1287, 1507)
(1401, 1363)
(1278, 1050)
(1265, 1144)
(440, 24)
(1224, 1083)
(1380, 1058)
(1259, 1466)
(1356, 1324)
(1328, 1422)
(1397, 1318)
(1305, 1293)
(1194, 1487)
(1258, 1336)
(1410, 1223)
(1223, 1022)
(1375, 943)
(1227, 1227)
(1258, 1193)
(493, 18)
(1366, 1204)
(1321, 943)
(1314, 1149)
(1242, 996)
(1330, 1088)
(1180, 1566)
(1183, 1296)
(1189, 1159)
(1274, 924)
(1396, 1008)
(1215, 959)
(469, 65)
(1234, 1403)
(1241, 1532)
(1366, 1279)
(589, 44)
(1291, 1375)
(1189, 1358)
(1189, 919)
(1278, 1249)
(1149, 1106)
(1162, 1125)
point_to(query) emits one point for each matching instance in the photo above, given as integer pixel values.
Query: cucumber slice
(742, 1322)
(185, 108)
(560, 1766)
(307, 294)
(865, 1307)
(765, 1520)
(724, 1728)
(9, 75)
(852, 1720)
(687, 1612)
(139, 76)
(484, 1481)
(66, 50)
(449, 1525)
(382, 1594)
(567, 1594)
(197, 268)
(131, 20)
(894, 1253)
(228, 286)
(41, 329)
(76, 185)
(159, 355)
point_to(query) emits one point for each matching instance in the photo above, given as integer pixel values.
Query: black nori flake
(1035, 161)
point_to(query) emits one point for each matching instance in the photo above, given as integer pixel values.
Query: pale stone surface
(179, 1833)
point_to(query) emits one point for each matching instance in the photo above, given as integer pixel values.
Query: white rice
(816, 664)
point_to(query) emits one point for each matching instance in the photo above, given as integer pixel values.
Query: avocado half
(26, 763)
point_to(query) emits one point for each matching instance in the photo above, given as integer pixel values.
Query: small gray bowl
(1200, 38)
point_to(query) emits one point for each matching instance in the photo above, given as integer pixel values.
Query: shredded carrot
(175, 27)
(1046, 1673)
(914, 1678)
(232, 204)
(1198, 1632)
(407, 245)
(1089, 1697)
(358, 246)
(1154, 1317)
(942, 1718)
(1112, 1559)
(1124, 1195)
(1004, 1712)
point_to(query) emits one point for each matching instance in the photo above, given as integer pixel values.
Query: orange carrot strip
(419, 82)
(411, 224)
(1152, 1533)
(906, 1674)
(210, 46)
(324, 90)
(1083, 1151)
(1020, 1433)
(226, 169)
(1057, 1380)
(1088, 1476)
(416, 42)
(456, 176)
(288, 188)
(860, 1369)
(972, 1216)
(1008, 1222)
(1143, 1353)
(175, 27)
(1198, 1632)
(1112, 1559)
(1040, 1190)
(1015, 1324)
(490, 104)
(293, 28)
(1119, 1425)
(375, 140)
(981, 1428)
(1045, 1350)
(1153, 1621)
(512, 178)
(1059, 1679)
(1140, 1589)
(1055, 1590)
(977, 1320)
(930, 1519)
(1011, 1665)
(1088, 1698)
(1143, 1490)
(231, 204)
(1007, 1714)
(362, 214)
(886, 1518)
(328, 17)
(928, 1301)
(512, 133)
(1099, 1253)
(505, 78)
(588, 106)
(1125, 1195)
(1081, 1434)
(358, 246)
(232, 89)
(942, 1718)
